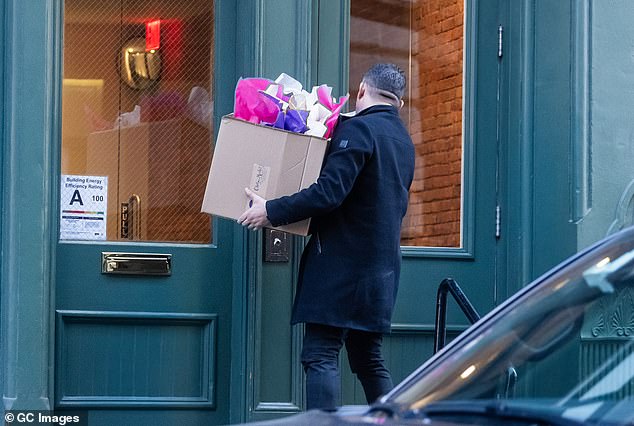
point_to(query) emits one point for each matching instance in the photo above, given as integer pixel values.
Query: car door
(143, 279)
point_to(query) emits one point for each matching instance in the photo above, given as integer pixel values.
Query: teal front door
(143, 297)
(449, 51)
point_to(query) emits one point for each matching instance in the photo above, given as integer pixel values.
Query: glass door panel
(137, 110)
(426, 39)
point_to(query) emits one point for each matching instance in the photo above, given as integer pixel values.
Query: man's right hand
(255, 217)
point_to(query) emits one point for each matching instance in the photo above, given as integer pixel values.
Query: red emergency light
(152, 35)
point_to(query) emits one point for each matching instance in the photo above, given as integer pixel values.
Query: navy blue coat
(349, 271)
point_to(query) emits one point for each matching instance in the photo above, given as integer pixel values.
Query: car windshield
(565, 345)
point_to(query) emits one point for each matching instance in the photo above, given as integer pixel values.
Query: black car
(559, 352)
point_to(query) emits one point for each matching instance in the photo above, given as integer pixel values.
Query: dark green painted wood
(203, 283)
(248, 36)
(581, 165)
(474, 265)
(333, 44)
(413, 322)
(413, 319)
(307, 48)
(518, 183)
(285, 38)
(146, 362)
(532, 125)
(609, 139)
(476, 273)
(542, 148)
(28, 233)
(200, 285)
(274, 377)
(234, 30)
(274, 358)
(545, 178)
(3, 28)
(554, 233)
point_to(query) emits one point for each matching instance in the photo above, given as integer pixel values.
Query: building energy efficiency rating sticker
(83, 205)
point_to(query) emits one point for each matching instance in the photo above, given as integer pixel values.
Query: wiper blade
(496, 409)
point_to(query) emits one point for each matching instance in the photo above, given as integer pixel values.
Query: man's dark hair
(388, 77)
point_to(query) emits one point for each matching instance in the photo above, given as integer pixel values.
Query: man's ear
(361, 92)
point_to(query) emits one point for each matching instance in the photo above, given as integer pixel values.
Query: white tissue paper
(128, 119)
(200, 106)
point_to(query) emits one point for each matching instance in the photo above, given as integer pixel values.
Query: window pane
(137, 109)
(426, 39)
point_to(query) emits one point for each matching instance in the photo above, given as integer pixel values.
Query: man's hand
(255, 216)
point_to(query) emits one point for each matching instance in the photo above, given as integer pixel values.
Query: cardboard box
(271, 162)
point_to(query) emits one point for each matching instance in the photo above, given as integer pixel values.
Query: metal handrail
(449, 285)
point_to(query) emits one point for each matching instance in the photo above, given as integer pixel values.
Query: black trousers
(320, 358)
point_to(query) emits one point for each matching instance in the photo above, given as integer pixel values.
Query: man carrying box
(349, 271)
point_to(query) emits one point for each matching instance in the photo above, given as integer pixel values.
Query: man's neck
(373, 104)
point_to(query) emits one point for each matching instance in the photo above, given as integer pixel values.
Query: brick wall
(380, 33)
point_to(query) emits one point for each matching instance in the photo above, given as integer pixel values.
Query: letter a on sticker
(76, 198)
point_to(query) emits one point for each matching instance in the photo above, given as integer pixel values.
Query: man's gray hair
(386, 77)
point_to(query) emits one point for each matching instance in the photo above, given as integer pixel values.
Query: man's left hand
(255, 217)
